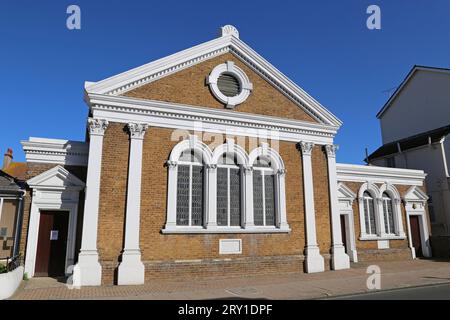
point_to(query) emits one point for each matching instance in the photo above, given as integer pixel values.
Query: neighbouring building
(415, 130)
(12, 191)
(210, 162)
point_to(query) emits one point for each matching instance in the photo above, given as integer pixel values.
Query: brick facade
(35, 169)
(189, 87)
(160, 249)
(368, 249)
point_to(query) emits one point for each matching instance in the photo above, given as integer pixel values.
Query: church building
(210, 163)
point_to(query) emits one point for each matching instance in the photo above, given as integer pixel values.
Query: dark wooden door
(52, 244)
(343, 232)
(415, 235)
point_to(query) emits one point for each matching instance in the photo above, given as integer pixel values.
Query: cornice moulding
(55, 151)
(373, 174)
(152, 71)
(179, 116)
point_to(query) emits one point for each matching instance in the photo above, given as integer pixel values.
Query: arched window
(229, 204)
(190, 189)
(217, 191)
(264, 185)
(388, 213)
(369, 213)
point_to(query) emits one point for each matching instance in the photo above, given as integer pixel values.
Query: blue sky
(324, 46)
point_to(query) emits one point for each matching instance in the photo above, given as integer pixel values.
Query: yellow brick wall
(372, 245)
(156, 246)
(189, 87)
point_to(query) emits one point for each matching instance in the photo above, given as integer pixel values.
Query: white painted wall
(422, 105)
(431, 160)
(9, 282)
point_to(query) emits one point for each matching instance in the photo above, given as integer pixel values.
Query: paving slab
(394, 274)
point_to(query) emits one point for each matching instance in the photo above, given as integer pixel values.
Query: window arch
(382, 206)
(388, 214)
(230, 160)
(268, 188)
(369, 214)
(187, 184)
(190, 189)
(210, 192)
(264, 192)
(394, 223)
(368, 197)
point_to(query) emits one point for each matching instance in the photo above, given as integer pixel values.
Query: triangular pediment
(228, 43)
(56, 178)
(415, 194)
(345, 192)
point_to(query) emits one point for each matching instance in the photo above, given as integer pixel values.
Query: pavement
(342, 284)
(427, 292)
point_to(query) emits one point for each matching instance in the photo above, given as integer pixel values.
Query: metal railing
(11, 263)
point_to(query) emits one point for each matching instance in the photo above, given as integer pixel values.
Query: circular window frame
(245, 85)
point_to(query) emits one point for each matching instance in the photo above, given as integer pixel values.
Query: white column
(171, 222)
(211, 196)
(314, 262)
(249, 221)
(131, 269)
(88, 271)
(339, 259)
(398, 217)
(281, 199)
(379, 216)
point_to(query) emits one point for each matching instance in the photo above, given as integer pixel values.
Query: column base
(88, 271)
(413, 252)
(131, 270)
(339, 259)
(353, 254)
(314, 262)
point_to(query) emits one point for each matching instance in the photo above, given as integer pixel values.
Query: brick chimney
(7, 159)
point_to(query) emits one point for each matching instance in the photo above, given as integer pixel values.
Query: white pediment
(56, 178)
(228, 42)
(415, 194)
(345, 192)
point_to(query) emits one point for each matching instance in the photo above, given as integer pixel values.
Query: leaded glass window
(269, 193)
(388, 214)
(264, 182)
(183, 186)
(258, 198)
(222, 196)
(369, 214)
(228, 191)
(190, 190)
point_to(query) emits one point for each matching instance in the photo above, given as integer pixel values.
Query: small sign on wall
(54, 235)
(230, 246)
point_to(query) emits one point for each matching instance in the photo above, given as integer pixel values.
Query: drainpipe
(18, 225)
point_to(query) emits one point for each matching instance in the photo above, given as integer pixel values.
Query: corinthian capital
(305, 147)
(171, 164)
(211, 166)
(137, 130)
(97, 126)
(331, 150)
(248, 169)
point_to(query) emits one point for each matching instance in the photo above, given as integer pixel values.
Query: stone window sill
(384, 237)
(222, 230)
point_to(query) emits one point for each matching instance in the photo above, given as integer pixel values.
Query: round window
(229, 85)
